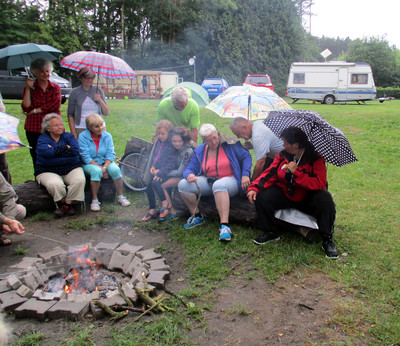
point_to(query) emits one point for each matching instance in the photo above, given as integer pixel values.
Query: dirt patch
(293, 310)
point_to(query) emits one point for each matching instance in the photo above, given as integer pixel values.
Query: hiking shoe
(194, 221)
(95, 206)
(124, 202)
(169, 217)
(62, 211)
(71, 210)
(329, 248)
(224, 233)
(266, 237)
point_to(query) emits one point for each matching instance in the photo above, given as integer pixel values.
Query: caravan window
(299, 78)
(359, 78)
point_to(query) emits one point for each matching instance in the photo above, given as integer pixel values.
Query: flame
(79, 260)
(67, 289)
(89, 262)
(83, 249)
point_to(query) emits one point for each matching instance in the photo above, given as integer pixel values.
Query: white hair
(206, 130)
(179, 95)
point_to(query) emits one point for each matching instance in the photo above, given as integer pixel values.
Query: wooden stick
(147, 300)
(114, 315)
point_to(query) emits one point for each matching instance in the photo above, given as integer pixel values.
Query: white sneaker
(124, 202)
(95, 206)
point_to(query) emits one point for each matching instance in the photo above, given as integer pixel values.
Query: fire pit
(64, 283)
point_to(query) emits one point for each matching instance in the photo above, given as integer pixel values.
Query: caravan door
(342, 84)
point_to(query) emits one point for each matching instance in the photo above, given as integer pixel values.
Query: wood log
(241, 212)
(35, 198)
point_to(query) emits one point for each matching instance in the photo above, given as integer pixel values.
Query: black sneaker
(329, 248)
(266, 237)
(71, 210)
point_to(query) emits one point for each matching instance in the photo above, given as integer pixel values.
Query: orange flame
(82, 250)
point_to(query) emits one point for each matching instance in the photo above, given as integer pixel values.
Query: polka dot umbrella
(328, 140)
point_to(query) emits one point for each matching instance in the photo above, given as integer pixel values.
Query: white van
(332, 81)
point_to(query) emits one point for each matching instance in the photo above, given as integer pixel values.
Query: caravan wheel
(329, 100)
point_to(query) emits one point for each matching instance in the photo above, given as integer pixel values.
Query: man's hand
(245, 182)
(251, 196)
(191, 178)
(12, 226)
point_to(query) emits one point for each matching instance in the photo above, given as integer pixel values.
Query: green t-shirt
(188, 118)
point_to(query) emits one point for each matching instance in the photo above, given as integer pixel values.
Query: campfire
(107, 278)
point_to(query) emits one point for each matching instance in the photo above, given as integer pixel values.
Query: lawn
(366, 194)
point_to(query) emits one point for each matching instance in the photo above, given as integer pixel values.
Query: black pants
(316, 203)
(155, 186)
(4, 168)
(32, 138)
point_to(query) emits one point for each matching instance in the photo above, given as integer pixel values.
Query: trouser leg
(32, 138)
(151, 196)
(159, 190)
(320, 204)
(266, 203)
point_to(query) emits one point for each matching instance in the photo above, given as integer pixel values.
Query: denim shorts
(227, 184)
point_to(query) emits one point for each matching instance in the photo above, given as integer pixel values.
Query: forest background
(229, 38)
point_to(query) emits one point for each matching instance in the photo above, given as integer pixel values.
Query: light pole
(192, 61)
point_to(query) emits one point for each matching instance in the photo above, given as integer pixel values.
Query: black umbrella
(328, 140)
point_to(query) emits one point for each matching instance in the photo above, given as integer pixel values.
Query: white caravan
(332, 81)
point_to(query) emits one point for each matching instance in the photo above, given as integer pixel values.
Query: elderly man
(9, 211)
(180, 110)
(265, 144)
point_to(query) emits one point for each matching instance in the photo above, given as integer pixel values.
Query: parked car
(12, 83)
(214, 86)
(261, 80)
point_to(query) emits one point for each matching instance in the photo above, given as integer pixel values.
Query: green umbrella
(21, 55)
(198, 93)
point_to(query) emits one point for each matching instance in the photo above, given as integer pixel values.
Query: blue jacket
(238, 156)
(56, 157)
(88, 148)
(166, 156)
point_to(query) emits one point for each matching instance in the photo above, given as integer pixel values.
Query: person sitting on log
(296, 179)
(216, 168)
(58, 165)
(180, 139)
(163, 161)
(98, 155)
(10, 211)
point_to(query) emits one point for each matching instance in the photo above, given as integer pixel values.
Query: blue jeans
(227, 184)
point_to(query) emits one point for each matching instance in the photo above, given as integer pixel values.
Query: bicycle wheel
(132, 167)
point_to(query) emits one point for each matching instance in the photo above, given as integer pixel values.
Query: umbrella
(329, 141)
(197, 92)
(9, 139)
(21, 55)
(103, 64)
(247, 101)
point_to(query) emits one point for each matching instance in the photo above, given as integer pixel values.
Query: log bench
(242, 212)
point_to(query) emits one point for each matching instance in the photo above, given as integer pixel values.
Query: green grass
(366, 194)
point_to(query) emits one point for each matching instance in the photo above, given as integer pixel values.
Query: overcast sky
(357, 19)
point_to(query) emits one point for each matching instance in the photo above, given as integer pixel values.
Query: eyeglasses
(57, 125)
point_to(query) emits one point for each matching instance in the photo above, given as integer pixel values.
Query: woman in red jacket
(296, 179)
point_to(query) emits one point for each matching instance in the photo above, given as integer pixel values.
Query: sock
(226, 224)
(120, 196)
(94, 200)
(198, 215)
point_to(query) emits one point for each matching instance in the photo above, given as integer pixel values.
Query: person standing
(84, 100)
(264, 142)
(39, 97)
(144, 84)
(181, 111)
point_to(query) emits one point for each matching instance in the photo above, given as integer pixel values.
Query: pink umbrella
(103, 64)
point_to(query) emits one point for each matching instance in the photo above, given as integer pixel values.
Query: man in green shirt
(181, 110)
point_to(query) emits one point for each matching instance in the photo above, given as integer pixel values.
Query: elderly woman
(97, 154)
(296, 179)
(84, 100)
(220, 169)
(40, 97)
(58, 166)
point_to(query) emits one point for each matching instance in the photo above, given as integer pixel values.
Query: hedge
(388, 92)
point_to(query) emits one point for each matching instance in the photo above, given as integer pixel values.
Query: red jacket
(308, 176)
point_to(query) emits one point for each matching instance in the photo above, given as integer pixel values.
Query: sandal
(163, 212)
(148, 217)
(5, 242)
(169, 217)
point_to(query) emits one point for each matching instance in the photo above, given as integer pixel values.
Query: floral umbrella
(247, 101)
(9, 139)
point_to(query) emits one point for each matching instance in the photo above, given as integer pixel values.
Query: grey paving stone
(42, 295)
(79, 297)
(24, 291)
(34, 308)
(4, 286)
(56, 251)
(27, 262)
(127, 289)
(10, 300)
(116, 300)
(137, 275)
(106, 246)
(97, 312)
(158, 264)
(157, 278)
(127, 249)
(73, 311)
(14, 281)
(119, 261)
(148, 255)
(135, 263)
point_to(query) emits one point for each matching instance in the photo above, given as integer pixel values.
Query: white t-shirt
(264, 141)
(88, 107)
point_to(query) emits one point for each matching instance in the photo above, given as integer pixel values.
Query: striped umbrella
(103, 64)
(328, 140)
(9, 139)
